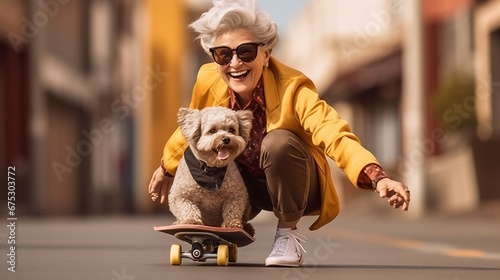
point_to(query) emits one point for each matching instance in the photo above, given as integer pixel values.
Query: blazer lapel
(272, 95)
(220, 93)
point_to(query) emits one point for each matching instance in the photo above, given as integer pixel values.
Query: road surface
(354, 246)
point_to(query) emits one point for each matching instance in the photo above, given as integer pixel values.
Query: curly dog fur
(216, 136)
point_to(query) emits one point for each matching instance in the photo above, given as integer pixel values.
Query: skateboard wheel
(233, 253)
(222, 255)
(175, 254)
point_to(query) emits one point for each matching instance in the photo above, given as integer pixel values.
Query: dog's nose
(226, 140)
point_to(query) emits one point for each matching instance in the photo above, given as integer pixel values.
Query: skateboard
(206, 243)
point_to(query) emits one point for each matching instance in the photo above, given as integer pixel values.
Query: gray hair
(227, 15)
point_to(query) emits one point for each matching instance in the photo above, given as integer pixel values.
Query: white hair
(227, 15)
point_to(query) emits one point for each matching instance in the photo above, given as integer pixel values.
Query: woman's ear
(268, 54)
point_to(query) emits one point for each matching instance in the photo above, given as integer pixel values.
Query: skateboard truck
(202, 248)
(206, 243)
(199, 251)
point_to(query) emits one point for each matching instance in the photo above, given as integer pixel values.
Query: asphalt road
(354, 246)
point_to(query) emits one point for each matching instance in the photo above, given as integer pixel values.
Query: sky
(282, 11)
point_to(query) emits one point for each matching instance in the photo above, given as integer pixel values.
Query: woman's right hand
(160, 185)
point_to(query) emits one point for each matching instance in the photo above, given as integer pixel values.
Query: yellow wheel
(175, 254)
(222, 255)
(233, 253)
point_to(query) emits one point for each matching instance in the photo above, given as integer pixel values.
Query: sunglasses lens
(222, 55)
(247, 52)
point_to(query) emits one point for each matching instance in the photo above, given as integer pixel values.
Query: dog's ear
(245, 118)
(189, 121)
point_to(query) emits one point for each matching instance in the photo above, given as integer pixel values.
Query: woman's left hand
(398, 194)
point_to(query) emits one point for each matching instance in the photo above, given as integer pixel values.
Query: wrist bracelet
(165, 172)
(375, 182)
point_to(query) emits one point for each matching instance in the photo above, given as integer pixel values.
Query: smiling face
(240, 76)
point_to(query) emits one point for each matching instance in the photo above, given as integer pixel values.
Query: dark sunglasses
(247, 52)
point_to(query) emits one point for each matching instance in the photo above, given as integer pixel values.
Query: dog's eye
(213, 131)
(232, 130)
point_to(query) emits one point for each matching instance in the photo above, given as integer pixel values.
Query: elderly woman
(284, 165)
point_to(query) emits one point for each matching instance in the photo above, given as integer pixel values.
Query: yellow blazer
(292, 103)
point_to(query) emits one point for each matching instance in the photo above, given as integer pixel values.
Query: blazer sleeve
(329, 132)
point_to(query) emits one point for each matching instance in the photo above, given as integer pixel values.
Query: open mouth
(239, 74)
(222, 152)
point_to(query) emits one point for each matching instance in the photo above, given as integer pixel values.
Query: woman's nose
(235, 60)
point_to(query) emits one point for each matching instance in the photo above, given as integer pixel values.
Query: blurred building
(365, 60)
(89, 92)
(66, 62)
(172, 47)
(486, 147)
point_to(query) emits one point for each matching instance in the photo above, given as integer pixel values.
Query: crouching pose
(284, 165)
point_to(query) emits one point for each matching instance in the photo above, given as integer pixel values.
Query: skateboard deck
(206, 242)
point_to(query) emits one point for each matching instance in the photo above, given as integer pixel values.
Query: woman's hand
(160, 185)
(398, 194)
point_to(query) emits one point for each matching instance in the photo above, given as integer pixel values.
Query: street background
(89, 92)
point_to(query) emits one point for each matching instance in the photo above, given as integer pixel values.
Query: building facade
(89, 93)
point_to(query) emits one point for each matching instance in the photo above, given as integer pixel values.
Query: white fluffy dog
(208, 188)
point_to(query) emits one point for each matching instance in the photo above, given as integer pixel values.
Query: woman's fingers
(158, 186)
(398, 193)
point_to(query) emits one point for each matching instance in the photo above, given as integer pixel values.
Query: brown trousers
(290, 189)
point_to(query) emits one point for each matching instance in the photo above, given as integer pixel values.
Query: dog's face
(216, 135)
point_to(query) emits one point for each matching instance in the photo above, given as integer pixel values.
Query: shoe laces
(283, 239)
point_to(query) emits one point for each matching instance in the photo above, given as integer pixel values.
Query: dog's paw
(190, 222)
(232, 224)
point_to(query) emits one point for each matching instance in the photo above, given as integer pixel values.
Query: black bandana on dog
(207, 177)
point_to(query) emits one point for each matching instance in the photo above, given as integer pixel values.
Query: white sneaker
(287, 250)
